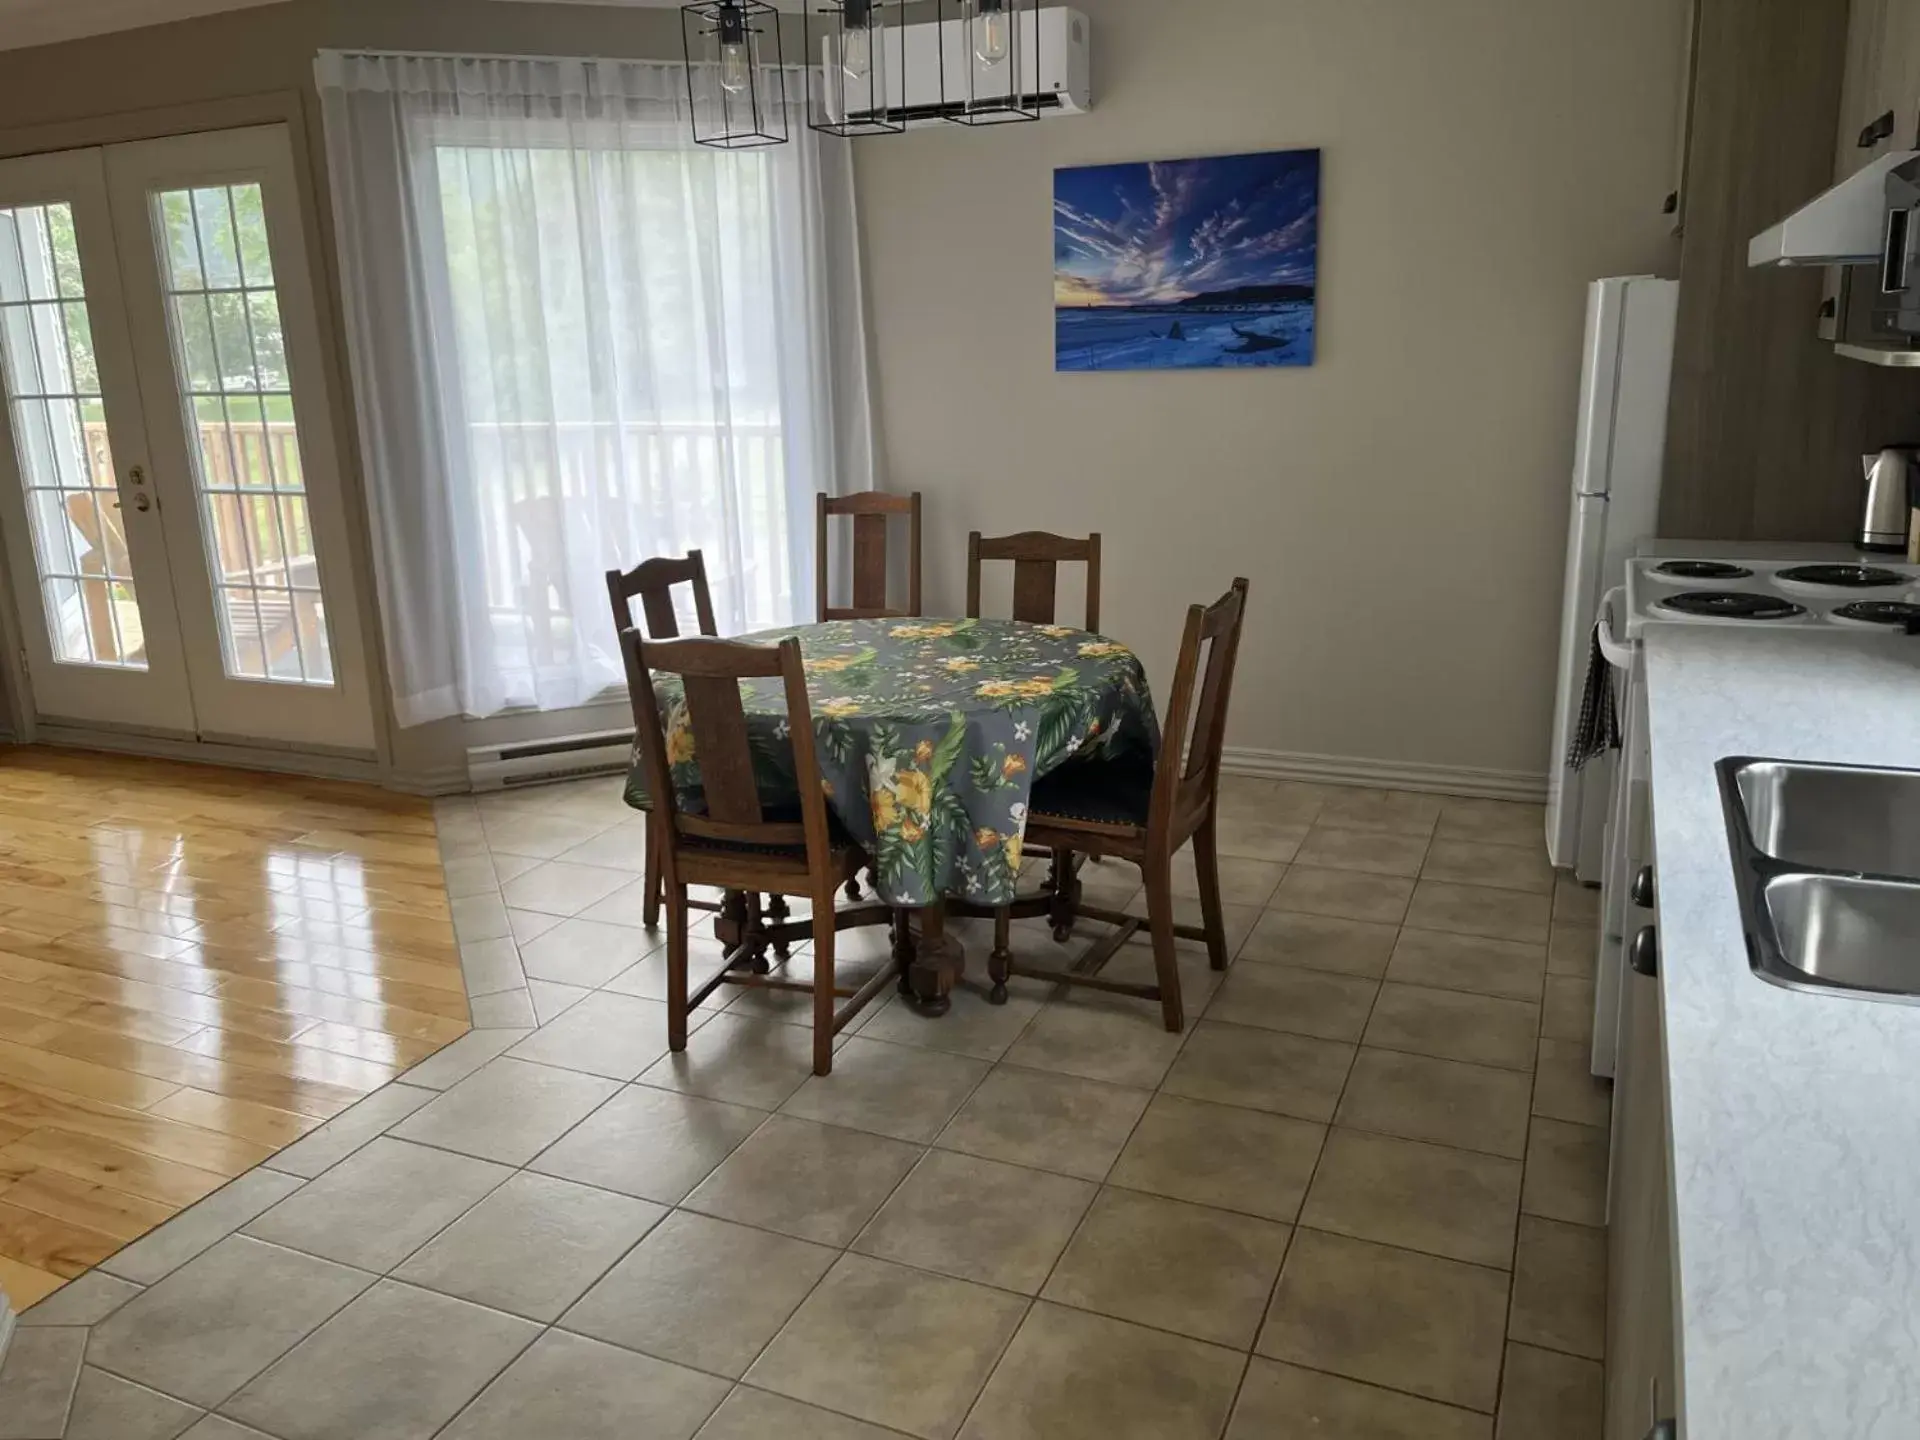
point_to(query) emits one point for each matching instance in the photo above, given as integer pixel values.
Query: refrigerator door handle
(1619, 655)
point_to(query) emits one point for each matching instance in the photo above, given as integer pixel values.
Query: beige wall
(1400, 507)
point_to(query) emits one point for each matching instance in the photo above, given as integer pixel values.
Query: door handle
(1644, 954)
(142, 502)
(1643, 888)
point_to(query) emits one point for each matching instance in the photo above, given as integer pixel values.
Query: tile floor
(1360, 1197)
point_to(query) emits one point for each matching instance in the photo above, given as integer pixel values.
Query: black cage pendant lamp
(856, 66)
(736, 80)
(989, 61)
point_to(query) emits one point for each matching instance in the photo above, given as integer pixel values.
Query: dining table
(930, 734)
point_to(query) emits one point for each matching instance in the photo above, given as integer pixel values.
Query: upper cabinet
(1880, 96)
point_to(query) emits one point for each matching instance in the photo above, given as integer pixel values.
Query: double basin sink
(1827, 860)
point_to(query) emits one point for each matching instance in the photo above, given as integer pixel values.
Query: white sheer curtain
(580, 340)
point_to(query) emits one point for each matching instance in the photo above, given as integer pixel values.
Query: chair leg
(1000, 962)
(1206, 865)
(1159, 877)
(677, 922)
(1064, 879)
(655, 881)
(823, 997)
(778, 913)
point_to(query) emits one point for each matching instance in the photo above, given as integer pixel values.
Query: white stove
(1854, 593)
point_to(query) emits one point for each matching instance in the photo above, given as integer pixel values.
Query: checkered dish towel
(1598, 729)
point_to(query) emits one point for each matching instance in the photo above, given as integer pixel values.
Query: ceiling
(42, 22)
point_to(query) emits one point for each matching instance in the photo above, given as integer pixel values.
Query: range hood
(1846, 225)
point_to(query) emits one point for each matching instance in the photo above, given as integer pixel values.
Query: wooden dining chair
(1132, 810)
(871, 510)
(653, 581)
(735, 842)
(1037, 558)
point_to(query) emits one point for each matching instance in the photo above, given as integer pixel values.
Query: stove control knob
(1644, 953)
(1643, 888)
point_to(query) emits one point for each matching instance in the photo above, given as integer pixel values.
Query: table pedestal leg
(939, 960)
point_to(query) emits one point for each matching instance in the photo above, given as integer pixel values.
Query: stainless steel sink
(1827, 860)
(1833, 817)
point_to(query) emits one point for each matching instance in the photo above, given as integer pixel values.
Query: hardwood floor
(197, 966)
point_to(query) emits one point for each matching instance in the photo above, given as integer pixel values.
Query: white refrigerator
(1618, 451)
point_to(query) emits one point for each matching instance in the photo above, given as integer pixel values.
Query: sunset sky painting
(1183, 264)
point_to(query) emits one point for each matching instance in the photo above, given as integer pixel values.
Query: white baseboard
(322, 764)
(1385, 774)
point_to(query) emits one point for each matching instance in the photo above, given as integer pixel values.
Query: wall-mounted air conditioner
(1050, 54)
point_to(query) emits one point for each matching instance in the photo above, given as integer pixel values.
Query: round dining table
(929, 735)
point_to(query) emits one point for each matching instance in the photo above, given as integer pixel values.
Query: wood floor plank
(243, 1119)
(80, 1077)
(58, 1246)
(156, 1135)
(185, 1005)
(87, 1158)
(305, 1063)
(45, 1004)
(26, 1285)
(97, 1207)
(374, 1045)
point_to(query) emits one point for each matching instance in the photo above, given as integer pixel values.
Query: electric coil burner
(1892, 614)
(1730, 605)
(1841, 577)
(1702, 570)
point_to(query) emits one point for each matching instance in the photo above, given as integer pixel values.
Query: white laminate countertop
(1795, 1116)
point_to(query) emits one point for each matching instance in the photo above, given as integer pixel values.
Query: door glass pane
(60, 436)
(230, 358)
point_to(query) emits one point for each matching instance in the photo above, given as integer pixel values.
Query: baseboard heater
(541, 762)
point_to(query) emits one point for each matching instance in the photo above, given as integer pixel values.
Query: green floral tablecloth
(930, 734)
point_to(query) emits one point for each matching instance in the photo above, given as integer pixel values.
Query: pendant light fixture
(856, 66)
(988, 70)
(736, 81)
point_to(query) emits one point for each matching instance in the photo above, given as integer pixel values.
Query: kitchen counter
(1795, 1117)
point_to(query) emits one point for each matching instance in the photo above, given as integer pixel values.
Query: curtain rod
(353, 54)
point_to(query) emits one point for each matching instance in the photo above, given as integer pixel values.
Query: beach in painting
(1187, 264)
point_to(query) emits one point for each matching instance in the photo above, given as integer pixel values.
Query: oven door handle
(1619, 655)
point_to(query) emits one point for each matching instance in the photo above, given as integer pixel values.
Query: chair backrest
(1036, 558)
(715, 720)
(653, 581)
(871, 510)
(1188, 774)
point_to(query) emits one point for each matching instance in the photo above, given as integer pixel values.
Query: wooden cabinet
(1882, 78)
(1641, 1352)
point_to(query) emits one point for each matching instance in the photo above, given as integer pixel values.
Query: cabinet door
(1898, 64)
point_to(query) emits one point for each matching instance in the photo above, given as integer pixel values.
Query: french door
(169, 483)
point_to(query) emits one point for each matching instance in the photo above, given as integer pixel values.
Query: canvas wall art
(1186, 264)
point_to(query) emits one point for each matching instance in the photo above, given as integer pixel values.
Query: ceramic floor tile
(551, 999)
(396, 1364)
(1343, 894)
(1473, 1107)
(1566, 1172)
(1417, 1196)
(612, 1035)
(1496, 822)
(1573, 950)
(1302, 1002)
(585, 952)
(1192, 1269)
(1121, 1045)
(654, 1144)
(747, 1062)
(220, 1319)
(1560, 1287)
(1262, 1069)
(1220, 1155)
(750, 1414)
(470, 875)
(216, 1427)
(891, 1345)
(1567, 1011)
(105, 1407)
(1507, 968)
(1479, 910)
(489, 966)
(1242, 881)
(85, 1301)
(1400, 811)
(197, 1229)
(1284, 1401)
(894, 1090)
(814, 1182)
(1273, 840)
(529, 925)
(1135, 965)
(532, 1247)
(1371, 851)
(1417, 1323)
(972, 1027)
(443, 1069)
(375, 1208)
(1073, 1376)
(1564, 1088)
(1506, 867)
(38, 1380)
(701, 1292)
(977, 1219)
(509, 1110)
(621, 848)
(1453, 1025)
(1054, 1122)
(1321, 942)
(571, 1387)
(479, 917)
(1545, 1396)
(538, 837)
(503, 1010)
(1575, 903)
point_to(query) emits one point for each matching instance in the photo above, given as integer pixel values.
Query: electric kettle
(1891, 491)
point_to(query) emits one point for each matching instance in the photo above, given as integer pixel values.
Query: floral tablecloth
(930, 734)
